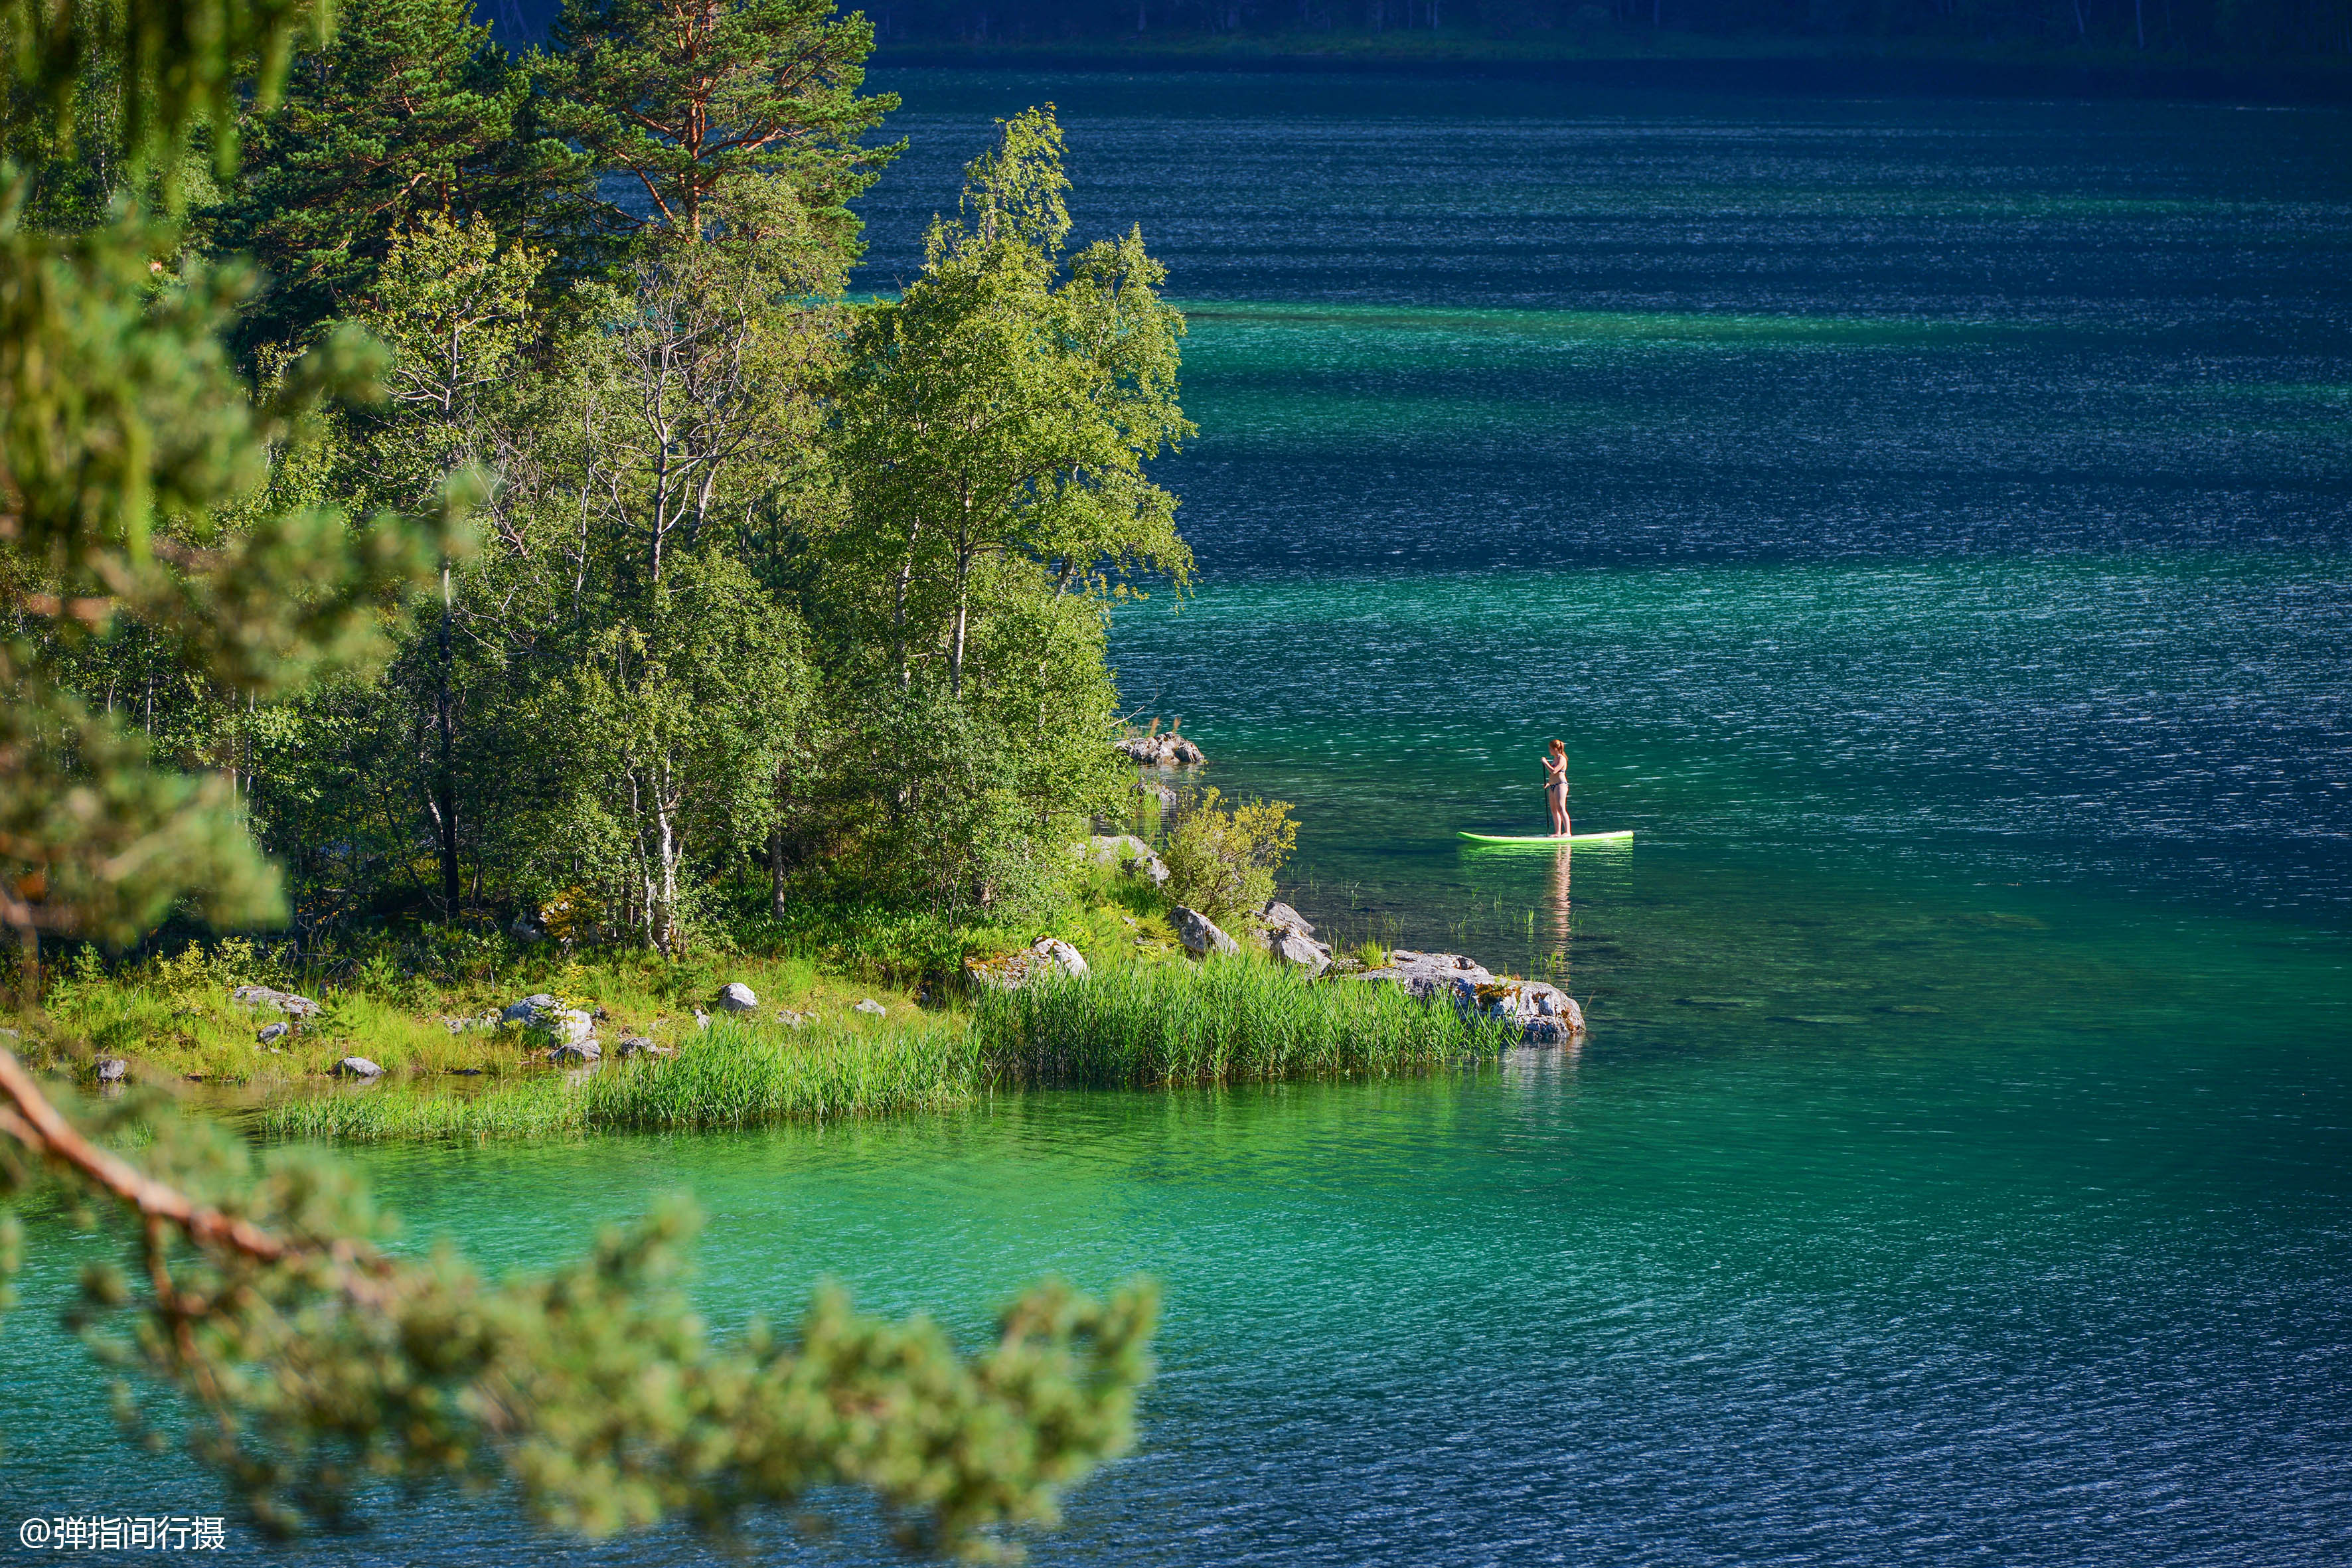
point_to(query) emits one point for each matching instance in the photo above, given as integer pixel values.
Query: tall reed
(733, 1076)
(515, 1109)
(1228, 1020)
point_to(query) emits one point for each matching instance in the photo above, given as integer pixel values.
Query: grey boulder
(1131, 855)
(1171, 750)
(540, 1013)
(1289, 938)
(356, 1067)
(1012, 971)
(1277, 913)
(1427, 975)
(641, 1046)
(872, 1006)
(1546, 1014)
(1296, 950)
(112, 1070)
(1200, 934)
(572, 1053)
(273, 1033)
(737, 998)
(286, 1002)
(1543, 1014)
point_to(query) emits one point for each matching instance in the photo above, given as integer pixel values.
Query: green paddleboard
(1623, 835)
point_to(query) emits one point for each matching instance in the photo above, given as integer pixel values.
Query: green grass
(1147, 1016)
(736, 1075)
(743, 1078)
(1227, 1021)
(174, 1021)
(1142, 1025)
(533, 1108)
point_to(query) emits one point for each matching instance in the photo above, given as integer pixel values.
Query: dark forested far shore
(2191, 49)
(1763, 68)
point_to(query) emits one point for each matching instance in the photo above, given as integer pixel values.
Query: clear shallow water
(1928, 525)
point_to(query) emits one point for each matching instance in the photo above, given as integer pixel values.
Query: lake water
(1929, 525)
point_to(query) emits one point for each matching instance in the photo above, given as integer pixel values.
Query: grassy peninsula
(821, 1044)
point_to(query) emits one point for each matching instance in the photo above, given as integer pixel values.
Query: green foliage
(1224, 1021)
(931, 791)
(744, 1076)
(134, 459)
(733, 1075)
(165, 67)
(684, 96)
(1001, 413)
(1223, 862)
(408, 115)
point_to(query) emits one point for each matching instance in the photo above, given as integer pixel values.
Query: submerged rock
(1200, 934)
(737, 998)
(356, 1067)
(286, 1002)
(572, 1053)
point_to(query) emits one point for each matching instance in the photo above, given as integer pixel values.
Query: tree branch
(42, 1129)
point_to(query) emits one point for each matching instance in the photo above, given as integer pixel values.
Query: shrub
(1223, 863)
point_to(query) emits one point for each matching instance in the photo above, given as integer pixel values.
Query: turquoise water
(1930, 525)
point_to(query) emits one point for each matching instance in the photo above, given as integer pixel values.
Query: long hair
(1559, 745)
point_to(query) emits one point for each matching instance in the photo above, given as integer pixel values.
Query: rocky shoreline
(1168, 751)
(1545, 1014)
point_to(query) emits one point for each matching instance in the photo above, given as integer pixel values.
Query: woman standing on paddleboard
(1556, 785)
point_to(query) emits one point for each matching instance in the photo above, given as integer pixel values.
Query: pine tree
(411, 110)
(682, 95)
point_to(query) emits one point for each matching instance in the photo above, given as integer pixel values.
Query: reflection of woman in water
(1556, 787)
(1560, 923)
